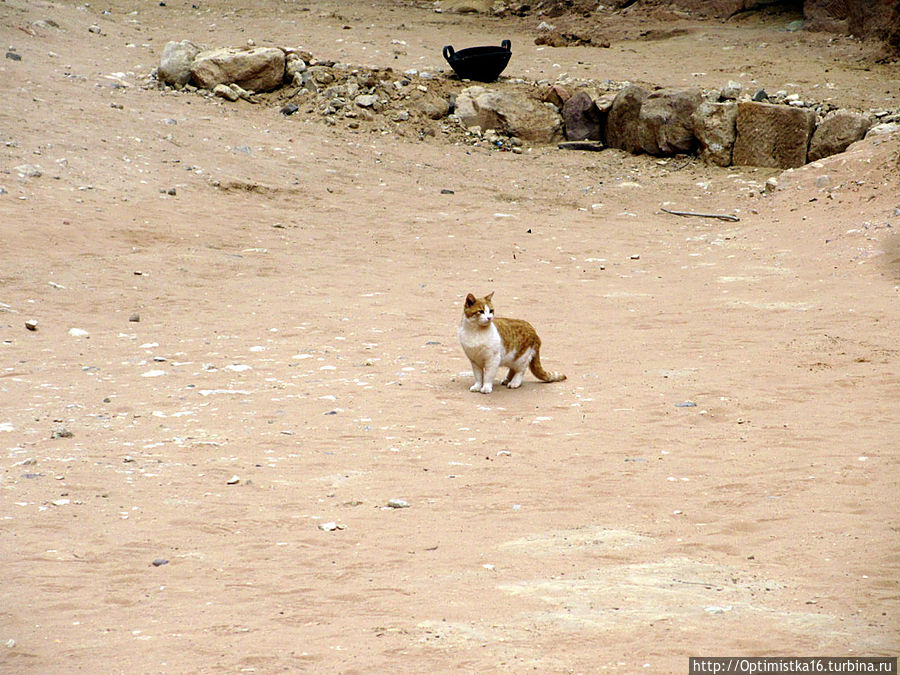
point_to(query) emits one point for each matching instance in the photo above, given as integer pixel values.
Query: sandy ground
(296, 363)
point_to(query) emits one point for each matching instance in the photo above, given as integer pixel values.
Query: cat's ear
(470, 300)
(489, 296)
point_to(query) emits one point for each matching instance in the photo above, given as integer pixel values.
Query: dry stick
(720, 216)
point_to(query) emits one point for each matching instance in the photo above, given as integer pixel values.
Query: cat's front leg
(490, 372)
(478, 372)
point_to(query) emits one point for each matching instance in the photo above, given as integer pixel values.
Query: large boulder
(879, 19)
(175, 62)
(508, 113)
(622, 128)
(256, 69)
(772, 135)
(836, 132)
(665, 121)
(715, 129)
(582, 118)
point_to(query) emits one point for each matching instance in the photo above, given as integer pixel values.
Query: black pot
(483, 64)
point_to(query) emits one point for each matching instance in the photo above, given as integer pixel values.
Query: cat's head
(479, 311)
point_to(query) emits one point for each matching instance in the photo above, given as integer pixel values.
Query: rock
(330, 526)
(366, 100)
(508, 113)
(582, 118)
(581, 145)
(61, 432)
(78, 332)
(878, 19)
(175, 62)
(290, 109)
(760, 96)
(556, 94)
(398, 504)
(884, 129)
(732, 91)
(12, 56)
(431, 105)
(665, 121)
(234, 480)
(836, 132)
(257, 69)
(135, 318)
(159, 562)
(715, 129)
(226, 92)
(772, 135)
(622, 129)
(294, 66)
(31, 324)
(94, 28)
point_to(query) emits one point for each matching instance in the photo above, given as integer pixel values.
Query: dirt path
(295, 364)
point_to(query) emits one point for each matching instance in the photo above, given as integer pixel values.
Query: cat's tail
(538, 371)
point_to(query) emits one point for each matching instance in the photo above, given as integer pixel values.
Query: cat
(492, 342)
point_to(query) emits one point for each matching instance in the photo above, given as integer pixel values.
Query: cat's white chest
(481, 345)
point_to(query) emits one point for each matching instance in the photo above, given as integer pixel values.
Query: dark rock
(290, 109)
(582, 118)
(13, 56)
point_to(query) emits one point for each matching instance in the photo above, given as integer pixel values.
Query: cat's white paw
(487, 388)
(475, 387)
(513, 384)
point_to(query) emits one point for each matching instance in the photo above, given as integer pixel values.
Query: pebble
(234, 480)
(10, 644)
(636, 257)
(78, 332)
(61, 432)
(330, 526)
(159, 562)
(686, 404)
(31, 324)
(398, 504)
(94, 28)
(290, 109)
(13, 56)
(61, 502)
(135, 318)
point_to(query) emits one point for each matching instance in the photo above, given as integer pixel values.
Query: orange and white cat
(493, 342)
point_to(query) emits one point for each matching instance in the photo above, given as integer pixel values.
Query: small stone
(61, 502)
(10, 644)
(78, 332)
(31, 324)
(226, 92)
(234, 480)
(290, 109)
(771, 184)
(686, 404)
(398, 504)
(366, 100)
(61, 432)
(172, 192)
(94, 28)
(31, 461)
(135, 318)
(445, 191)
(128, 459)
(159, 562)
(760, 96)
(330, 526)
(13, 56)
(636, 256)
